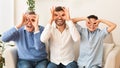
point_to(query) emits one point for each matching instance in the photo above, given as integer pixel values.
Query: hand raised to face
(24, 19)
(92, 24)
(98, 21)
(52, 14)
(67, 13)
(93, 21)
(34, 20)
(59, 13)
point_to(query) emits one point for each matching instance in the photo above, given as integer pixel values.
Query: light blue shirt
(91, 47)
(28, 44)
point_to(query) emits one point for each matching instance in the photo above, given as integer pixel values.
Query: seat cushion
(107, 48)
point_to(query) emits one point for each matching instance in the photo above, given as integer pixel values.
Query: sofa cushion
(107, 48)
(109, 38)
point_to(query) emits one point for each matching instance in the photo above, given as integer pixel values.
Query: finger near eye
(88, 22)
(33, 20)
(63, 14)
(27, 19)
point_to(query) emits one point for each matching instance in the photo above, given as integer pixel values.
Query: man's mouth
(59, 20)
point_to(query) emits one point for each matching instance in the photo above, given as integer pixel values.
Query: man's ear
(87, 23)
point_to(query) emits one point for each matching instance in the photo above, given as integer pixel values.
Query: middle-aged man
(61, 34)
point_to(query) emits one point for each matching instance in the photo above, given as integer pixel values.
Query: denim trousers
(70, 65)
(32, 64)
(90, 67)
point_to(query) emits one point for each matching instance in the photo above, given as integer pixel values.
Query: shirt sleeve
(104, 33)
(73, 31)
(38, 44)
(79, 28)
(46, 33)
(10, 35)
(16, 28)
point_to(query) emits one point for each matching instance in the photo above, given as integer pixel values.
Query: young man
(31, 51)
(91, 41)
(61, 33)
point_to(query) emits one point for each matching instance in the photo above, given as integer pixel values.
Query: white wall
(20, 8)
(106, 9)
(6, 14)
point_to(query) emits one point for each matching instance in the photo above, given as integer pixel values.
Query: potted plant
(2, 48)
(31, 6)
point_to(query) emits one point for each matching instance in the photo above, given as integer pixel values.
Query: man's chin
(91, 30)
(60, 23)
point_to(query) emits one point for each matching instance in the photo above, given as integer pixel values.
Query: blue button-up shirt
(91, 47)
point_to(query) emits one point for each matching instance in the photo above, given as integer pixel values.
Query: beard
(60, 22)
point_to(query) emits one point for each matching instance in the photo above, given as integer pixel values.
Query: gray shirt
(91, 47)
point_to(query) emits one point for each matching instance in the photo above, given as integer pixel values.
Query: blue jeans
(91, 67)
(70, 65)
(32, 64)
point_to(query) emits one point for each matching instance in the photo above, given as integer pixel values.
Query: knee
(72, 65)
(42, 64)
(52, 65)
(24, 66)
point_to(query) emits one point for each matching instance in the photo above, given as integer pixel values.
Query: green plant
(31, 5)
(2, 48)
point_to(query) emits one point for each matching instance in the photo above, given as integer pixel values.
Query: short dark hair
(59, 8)
(92, 16)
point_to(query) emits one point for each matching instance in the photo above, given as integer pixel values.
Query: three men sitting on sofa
(61, 33)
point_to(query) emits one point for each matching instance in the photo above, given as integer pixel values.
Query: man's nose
(29, 23)
(59, 17)
(91, 25)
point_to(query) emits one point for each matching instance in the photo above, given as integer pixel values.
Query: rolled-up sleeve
(46, 33)
(73, 31)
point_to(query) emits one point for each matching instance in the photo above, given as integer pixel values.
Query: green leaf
(31, 5)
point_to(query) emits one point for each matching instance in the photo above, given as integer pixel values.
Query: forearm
(19, 26)
(36, 29)
(46, 33)
(10, 35)
(51, 21)
(111, 26)
(73, 31)
(75, 20)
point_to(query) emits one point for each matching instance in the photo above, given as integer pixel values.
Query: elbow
(77, 39)
(42, 39)
(114, 26)
(111, 28)
(4, 39)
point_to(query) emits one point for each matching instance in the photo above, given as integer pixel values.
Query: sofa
(111, 56)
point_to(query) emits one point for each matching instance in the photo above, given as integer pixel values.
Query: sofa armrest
(10, 55)
(113, 58)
